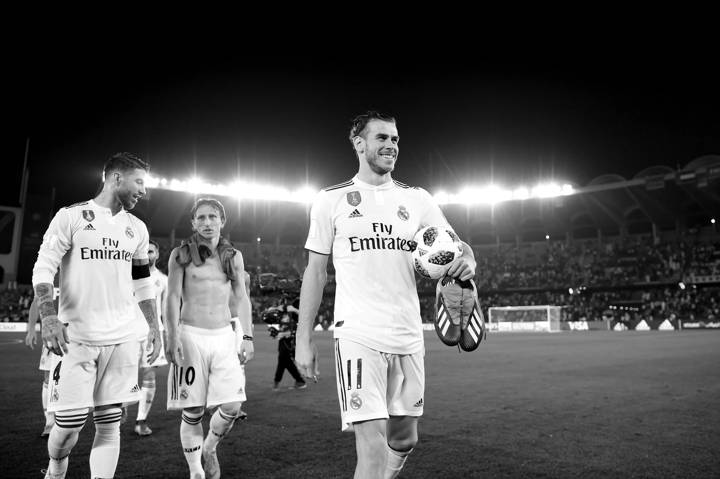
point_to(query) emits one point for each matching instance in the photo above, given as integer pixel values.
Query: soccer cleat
(298, 386)
(459, 319)
(447, 319)
(212, 465)
(473, 330)
(142, 429)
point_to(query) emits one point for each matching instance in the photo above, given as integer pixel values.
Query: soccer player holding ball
(368, 224)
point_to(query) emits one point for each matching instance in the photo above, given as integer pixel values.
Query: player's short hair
(124, 162)
(212, 202)
(155, 244)
(360, 122)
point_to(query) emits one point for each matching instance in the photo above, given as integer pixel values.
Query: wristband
(247, 338)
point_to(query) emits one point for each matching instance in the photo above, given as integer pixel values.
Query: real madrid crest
(89, 215)
(354, 198)
(355, 401)
(403, 213)
(129, 233)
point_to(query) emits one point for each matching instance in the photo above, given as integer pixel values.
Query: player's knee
(71, 420)
(231, 409)
(194, 411)
(403, 444)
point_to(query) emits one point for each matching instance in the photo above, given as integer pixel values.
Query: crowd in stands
(652, 279)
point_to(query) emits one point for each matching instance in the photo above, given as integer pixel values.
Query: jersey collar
(105, 209)
(385, 186)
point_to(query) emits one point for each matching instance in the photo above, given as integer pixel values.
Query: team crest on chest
(354, 198)
(89, 215)
(129, 233)
(403, 213)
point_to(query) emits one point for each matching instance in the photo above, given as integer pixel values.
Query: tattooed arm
(54, 334)
(56, 242)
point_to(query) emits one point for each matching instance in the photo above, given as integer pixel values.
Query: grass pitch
(566, 405)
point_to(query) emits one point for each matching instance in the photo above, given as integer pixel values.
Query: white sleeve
(432, 215)
(56, 242)
(322, 232)
(142, 250)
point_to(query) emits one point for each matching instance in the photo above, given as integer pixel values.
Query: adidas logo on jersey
(135, 389)
(419, 403)
(355, 214)
(89, 227)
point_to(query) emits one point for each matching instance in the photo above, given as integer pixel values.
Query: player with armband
(101, 252)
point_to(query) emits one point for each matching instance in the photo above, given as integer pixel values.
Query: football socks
(191, 438)
(106, 445)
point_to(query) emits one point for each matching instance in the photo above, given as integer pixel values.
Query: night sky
(464, 115)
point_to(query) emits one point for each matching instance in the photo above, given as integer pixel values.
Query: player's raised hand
(247, 351)
(54, 335)
(154, 344)
(305, 354)
(30, 339)
(174, 349)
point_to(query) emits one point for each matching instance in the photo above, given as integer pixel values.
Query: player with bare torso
(207, 369)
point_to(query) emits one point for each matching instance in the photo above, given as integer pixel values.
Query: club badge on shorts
(354, 198)
(129, 233)
(403, 213)
(355, 401)
(89, 215)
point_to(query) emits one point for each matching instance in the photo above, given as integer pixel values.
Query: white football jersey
(160, 284)
(94, 251)
(367, 229)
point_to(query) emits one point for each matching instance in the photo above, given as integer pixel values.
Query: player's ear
(359, 144)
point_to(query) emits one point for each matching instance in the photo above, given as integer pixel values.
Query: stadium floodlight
(493, 194)
(521, 193)
(712, 221)
(239, 189)
(246, 190)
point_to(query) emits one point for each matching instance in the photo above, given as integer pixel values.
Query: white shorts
(46, 357)
(91, 376)
(210, 373)
(143, 358)
(376, 385)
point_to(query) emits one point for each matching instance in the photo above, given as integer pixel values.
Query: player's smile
(388, 155)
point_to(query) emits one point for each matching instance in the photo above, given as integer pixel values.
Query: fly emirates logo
(108, 250)
(383, 239)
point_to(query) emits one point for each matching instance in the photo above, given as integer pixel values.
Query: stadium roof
(657, 195)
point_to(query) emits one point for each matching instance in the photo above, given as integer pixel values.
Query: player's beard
(127, 199)
(373, 161)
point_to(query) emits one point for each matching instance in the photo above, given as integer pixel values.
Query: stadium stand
(620, 250)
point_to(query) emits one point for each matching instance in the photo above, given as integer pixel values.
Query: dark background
(468, 111)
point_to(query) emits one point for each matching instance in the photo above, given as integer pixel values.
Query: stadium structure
(520, 236)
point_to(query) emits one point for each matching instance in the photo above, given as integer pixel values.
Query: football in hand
(437, 247)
